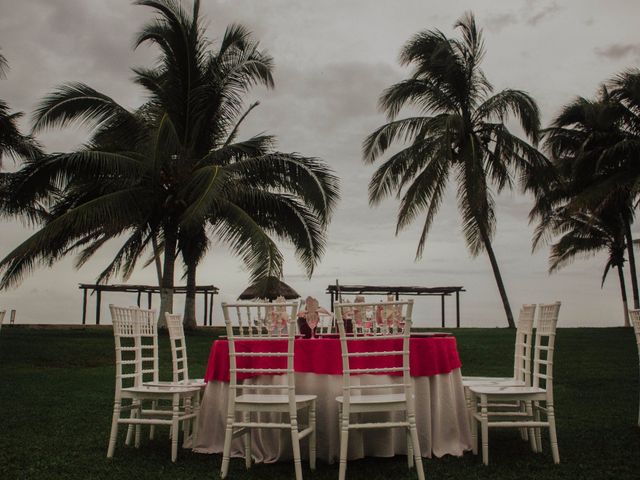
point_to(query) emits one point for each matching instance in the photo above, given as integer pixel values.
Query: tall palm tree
(172, 170)
(584, 234)
(460, 131)
(595, 149)
(12, 142)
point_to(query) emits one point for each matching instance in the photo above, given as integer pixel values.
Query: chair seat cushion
(272, 399)
(192, 382)
(162, 389)
(506, 390)
(491, 381)
(372, 399)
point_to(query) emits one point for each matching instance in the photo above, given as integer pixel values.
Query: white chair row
(137, 378)
(522, 400)
(244, 408)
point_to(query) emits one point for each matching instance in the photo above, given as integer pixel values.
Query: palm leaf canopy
(174, 168)
(459, 132)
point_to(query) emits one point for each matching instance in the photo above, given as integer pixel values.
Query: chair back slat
(178, 347)
(523, 344)
(545, 345)
(260, 319)
(398, 331)
(375, 318)
(136, 346)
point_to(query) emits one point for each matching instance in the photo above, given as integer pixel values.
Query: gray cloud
(499, 21)
(546, 12)
(619, 51)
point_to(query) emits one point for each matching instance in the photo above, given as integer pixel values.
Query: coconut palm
(12, 142)
(594, 146)
(584, 234)
(172, 173)
(459, 131)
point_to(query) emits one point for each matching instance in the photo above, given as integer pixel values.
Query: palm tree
(459, 131)
(12, 142)
(584, 234)
(172, 172)
(594, 145)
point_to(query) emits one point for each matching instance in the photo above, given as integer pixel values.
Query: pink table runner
(429, 356)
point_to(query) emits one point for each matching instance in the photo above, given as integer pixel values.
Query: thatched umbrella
(269, 288)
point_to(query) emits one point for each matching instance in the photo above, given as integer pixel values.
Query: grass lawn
(56, 394)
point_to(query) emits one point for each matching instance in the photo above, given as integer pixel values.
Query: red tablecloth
(428, 355)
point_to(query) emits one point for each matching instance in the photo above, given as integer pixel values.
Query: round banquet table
(441, 413)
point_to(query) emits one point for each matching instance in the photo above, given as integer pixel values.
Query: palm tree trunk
(156, 259)
(496, 273)
(623, 292)
(166, 288)
(189, 318)
(632, 265)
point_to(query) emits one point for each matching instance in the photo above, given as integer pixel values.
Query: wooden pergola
(338, 290)
(207, 291)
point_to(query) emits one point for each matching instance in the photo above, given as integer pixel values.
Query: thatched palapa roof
(269, 288)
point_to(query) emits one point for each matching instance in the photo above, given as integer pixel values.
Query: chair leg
(152, 428)
(186, 425)
(523, 431)
(175, 427)
(536, 412)
(417, 454)
(312, 436)
(553, 438)
(484, 424)
(531, 432)
(132, 414)
(138, 426)
(295, 443)
(196, 410)
(409, 449)
(474, 426)
(114, 429)
(344, 443)
(226, 449)
(246, 418)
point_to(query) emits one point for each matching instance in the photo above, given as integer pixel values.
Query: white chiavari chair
(278, 398)
(634, 315)
(521, 366)
(539, 395)
(400, 397)
(135, 336)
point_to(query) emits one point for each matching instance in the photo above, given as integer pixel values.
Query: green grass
(56, 393)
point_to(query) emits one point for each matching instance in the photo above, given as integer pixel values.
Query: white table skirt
(441, 417)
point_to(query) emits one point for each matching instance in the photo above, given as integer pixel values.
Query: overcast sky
(333, 59)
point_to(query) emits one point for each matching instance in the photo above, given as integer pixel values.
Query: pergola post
(211, 309)
(205, 300)
(457, 309)
(98, 301)
(442, 305)
(84, 306)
